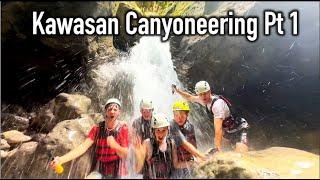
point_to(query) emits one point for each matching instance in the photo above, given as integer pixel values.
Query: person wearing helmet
(110, 141)
(217, 107)
(183, 133)
(157, 156)
(142, 125)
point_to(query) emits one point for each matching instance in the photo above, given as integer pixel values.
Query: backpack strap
(101, 133)
(209, 111)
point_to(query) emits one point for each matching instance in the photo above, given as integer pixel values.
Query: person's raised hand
(174, 88)
(54, 162)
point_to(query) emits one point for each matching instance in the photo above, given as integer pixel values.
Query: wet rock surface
(58, 127)
(15, 137)
(271, 163)
(4, 144)
(64, 106)
(64, 137)
(261, 78)
(11, 121)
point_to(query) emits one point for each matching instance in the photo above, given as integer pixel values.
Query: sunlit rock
(64, 106)
(275, 162)
(65, 136)
(4, 144)
(14, 137)
(70, 106)
(3, 153)
(96, 117)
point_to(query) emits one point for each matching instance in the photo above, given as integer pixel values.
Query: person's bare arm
(218, 133)
(185, 95)
(176, 163)
(73, 154)
(193, 150)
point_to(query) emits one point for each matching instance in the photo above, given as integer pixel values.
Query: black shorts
(236, 137)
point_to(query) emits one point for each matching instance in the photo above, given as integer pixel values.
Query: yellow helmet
(180, 106)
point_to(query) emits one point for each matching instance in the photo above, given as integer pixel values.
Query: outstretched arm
(73, 154)
(184, 94)
(193, 150)
(176, 163)
(218, 133)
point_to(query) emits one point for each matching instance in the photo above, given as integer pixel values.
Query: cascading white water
(149, 66)
(147, 71)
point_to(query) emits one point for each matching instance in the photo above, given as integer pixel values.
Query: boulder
(70, 106)
(275, 162)
(43, 121)
(16, 160)
(15, 137)
(4, 144)
(8, 154)
(3, 153)
(64, 106)
(65, 136)
(28, 147)
(13, 122)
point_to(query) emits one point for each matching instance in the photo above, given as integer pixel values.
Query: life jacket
(229, 124)
(110, 166)
(144, 128)
(188, 131)
(160, 164)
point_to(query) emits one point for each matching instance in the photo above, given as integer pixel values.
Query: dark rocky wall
(274, 82)
(36, 68)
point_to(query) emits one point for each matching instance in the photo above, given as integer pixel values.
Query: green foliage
(162, 8)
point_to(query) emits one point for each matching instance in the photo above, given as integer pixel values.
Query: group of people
(162, 148)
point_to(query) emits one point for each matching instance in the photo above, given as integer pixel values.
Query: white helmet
(201, 87)
(159, 120)
(112, 100)
(146, 104)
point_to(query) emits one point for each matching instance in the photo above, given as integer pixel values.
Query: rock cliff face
(273, 82)
(271, 163)
(25, 155)
(37, 68)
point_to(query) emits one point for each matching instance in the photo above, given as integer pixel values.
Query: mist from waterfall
(147, 71)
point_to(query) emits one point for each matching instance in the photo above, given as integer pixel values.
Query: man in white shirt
(235, 129)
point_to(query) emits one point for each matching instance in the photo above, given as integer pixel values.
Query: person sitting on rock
(157, 156)
(110, 145)
(142, 125)
(182, 131)
(217, 107)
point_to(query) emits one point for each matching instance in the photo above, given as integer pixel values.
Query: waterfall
(147, 71)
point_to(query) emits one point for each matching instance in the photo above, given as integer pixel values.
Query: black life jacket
(161, 163)
(188, 132)
(112, 166)
(144, 129)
